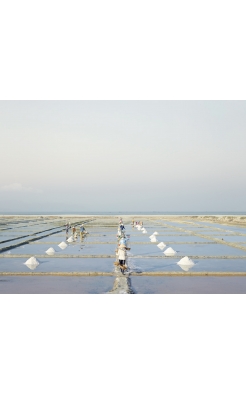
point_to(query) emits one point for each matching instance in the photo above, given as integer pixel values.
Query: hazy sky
(122, 155)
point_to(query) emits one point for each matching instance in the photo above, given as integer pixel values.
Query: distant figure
(73, 230)
(82, 231)
(67, 227)
(122, 227)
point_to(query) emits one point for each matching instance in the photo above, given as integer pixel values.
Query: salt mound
(185, 263)
(161, 246)
(153, 239)
(62, 245)
(70, 239)
(152, 236)
(155, 233)
(50, 251)
(32, 263)
(170, 251)
(145, 231)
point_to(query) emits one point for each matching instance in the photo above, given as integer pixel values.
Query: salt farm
(168, 254)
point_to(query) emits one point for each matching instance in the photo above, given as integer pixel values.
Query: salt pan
(32, 263)
(50, 251)
(186, 263)
(62, 245)
(161, 246)
(170, 251)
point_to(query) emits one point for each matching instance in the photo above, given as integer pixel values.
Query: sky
(78, 156)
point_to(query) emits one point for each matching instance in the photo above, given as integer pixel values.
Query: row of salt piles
(62, 245)
(185, 263)
(168, 252)
(32, 262)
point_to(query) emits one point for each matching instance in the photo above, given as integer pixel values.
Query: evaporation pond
(188, 285)
(72, 249)
(202, 265)
(55, 285)
(207, 250)
(59, 265)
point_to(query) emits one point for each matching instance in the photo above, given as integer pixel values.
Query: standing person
(122, 227)
(82, 231)
(67, 227)
(73, 230)
(122, 258)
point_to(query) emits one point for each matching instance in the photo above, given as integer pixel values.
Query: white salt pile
(50, 251)
(70, 239)
(151, 236)
(161, 246)
(170, 251)
(145, 231)
(32, 263)
(185, 263)
(155, 233)
(62, 245)
(153, 239)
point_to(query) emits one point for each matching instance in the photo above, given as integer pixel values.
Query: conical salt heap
(153, 239)
(170, 251)
(50, 251)
(155, 233)
(161, 246)
(150, 237)
(145, 231)
(186, 263)
(70, 239)
(62, 245)
(32, 263)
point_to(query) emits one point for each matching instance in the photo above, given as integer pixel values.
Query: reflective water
(189, 285)
(55, 285)
(50, 264)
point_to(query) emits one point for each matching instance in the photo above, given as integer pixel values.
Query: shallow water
(55, 285)
(202, 265)
(188, 249)
(189, 285)
(72, 249)
(50, 264)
